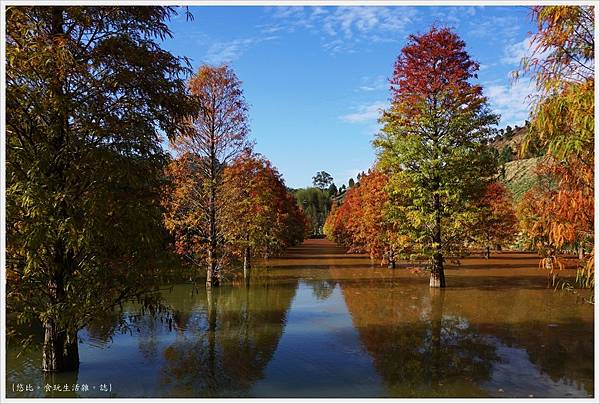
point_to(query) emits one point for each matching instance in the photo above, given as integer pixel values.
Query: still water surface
(319, 323)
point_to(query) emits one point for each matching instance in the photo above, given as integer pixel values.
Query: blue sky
(316, 77)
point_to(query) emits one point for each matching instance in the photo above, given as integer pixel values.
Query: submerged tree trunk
(212, 276)
(437, 279)
(391, 258)
(212, 328)
(60, 350)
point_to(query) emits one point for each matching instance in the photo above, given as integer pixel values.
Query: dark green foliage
(506, 155)
(88, 93)
(322, 180)
(316, 204)
(332, 190)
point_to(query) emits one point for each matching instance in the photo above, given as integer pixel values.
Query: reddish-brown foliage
(262, 215)
(496, 221)
(360, 223)
(435, 68)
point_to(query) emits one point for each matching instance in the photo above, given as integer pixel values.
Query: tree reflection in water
(417, 349)
(428, 344)
(226, 348)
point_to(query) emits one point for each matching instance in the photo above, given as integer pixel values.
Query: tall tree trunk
(246, 262)
(437, 279)
(487, 251)
(60, 350)
(212, 274)
(580, 252)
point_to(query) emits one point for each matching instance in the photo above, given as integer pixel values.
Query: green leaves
(88, 91)
(434, 141)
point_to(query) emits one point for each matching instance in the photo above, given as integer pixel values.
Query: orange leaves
(359, 223)
(435, 69)
(563, 46)
(260, 212)
(495, 220)
(219, 128)
(254, 209)
(560, 212)
(184, 202)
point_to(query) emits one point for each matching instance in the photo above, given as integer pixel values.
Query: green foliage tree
(322, 180)
(350, 182)
(506, 154)
(316, 204)
(88, 92)
(433, 143)
(332, 190)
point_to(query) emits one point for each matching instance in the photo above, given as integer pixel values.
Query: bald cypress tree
(88, 93)
(433, 142)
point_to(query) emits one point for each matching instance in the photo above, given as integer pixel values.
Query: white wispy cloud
(511, 100)
(496, 27)
(515, 52)
(367, 113)
(452, 16)
(376, 83)
(228, 51)
(341, 28)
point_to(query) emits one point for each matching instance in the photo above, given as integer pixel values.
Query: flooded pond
(319, 323)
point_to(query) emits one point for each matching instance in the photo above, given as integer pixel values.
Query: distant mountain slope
(512, 138)
(520, 176)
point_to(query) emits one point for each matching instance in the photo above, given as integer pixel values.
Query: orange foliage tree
(257, 214)
(361, 222)
(558, 213)
(262, 216)
(185, 214)
(213, 137)
(495, 220)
